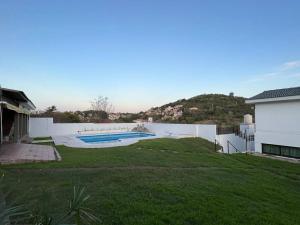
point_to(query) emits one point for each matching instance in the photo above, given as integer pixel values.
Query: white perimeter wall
(43, 127)
(277, 123)
(207, 132)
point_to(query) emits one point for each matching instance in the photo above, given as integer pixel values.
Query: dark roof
(278, 93)
(17, 95)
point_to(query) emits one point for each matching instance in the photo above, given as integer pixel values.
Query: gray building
(15, 109)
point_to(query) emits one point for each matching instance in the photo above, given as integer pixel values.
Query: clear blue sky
(146, 53)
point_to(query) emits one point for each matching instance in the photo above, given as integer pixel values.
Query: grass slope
(164, 181)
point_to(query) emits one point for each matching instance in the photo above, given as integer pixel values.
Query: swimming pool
(103, 138)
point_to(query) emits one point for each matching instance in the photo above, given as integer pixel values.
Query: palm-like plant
(43, 220)
(77, 212)
(11, 212)
(80, 214)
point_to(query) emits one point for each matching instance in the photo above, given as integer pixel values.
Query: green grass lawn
(42, 138)
(164, 181)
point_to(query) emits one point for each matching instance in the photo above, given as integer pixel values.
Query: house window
(286, 151)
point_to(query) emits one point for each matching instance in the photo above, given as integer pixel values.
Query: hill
(218, 109)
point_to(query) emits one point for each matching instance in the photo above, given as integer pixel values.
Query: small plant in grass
(80, 214)
(10, 213)
(76, 214)
(44, 220)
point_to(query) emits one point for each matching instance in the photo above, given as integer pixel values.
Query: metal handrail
(229, 143)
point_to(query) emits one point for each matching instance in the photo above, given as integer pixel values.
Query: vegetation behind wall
(223, 110)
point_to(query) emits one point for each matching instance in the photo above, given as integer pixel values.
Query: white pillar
(197, 131)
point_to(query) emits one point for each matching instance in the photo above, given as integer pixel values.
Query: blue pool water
(100, 138)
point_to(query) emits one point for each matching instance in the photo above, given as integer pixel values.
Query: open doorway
(8, 117)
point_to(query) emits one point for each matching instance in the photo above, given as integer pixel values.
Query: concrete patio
(22, 153)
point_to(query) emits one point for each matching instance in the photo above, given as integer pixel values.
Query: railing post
(246, 140)
(215, 145)
(228, 147)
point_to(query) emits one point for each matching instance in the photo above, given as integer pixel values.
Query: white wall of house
(277, 123)
(43, 127)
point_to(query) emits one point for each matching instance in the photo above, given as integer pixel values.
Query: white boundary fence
(43, 127)
(207, 132)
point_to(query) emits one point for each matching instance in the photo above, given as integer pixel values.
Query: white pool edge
(74, 142)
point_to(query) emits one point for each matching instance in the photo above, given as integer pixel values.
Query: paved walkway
(21, 153)
(287, 159)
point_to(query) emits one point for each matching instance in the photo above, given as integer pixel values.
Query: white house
(277, 119)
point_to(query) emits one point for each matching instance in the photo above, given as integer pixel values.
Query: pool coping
(74, 142)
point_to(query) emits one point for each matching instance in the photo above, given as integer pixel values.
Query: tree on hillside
(50, 110)
(66, 117)
(101, 108)
(102, 104)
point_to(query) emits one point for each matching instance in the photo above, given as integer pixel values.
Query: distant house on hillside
(15, 109)
(114, 116)
(277, 116)
(193, 109)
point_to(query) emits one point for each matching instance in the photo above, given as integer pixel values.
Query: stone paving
(22, 153)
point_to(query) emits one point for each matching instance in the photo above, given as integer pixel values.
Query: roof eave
(267, 100)
(24, 96)
(29, 102)
(32, 106)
